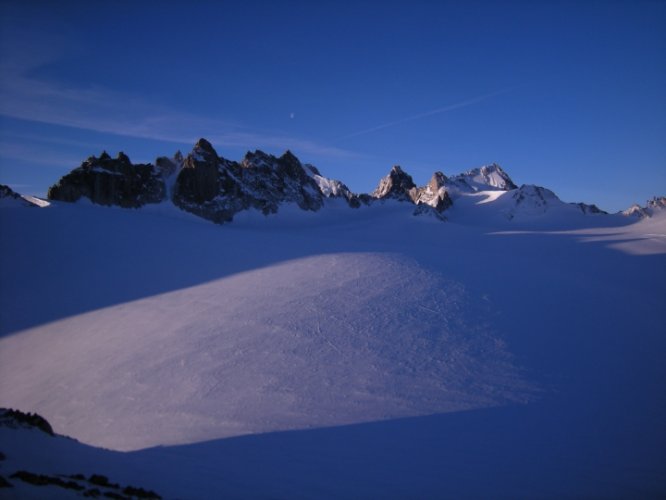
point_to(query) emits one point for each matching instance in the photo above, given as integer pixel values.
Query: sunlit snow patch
(318, 341)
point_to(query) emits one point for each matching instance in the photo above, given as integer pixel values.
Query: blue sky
(568, 95)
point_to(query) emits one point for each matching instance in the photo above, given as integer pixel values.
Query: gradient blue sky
(567, 95)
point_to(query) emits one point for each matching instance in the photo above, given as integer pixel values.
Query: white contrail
(450, 107)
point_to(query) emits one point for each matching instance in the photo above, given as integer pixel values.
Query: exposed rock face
(216, 188)
(431, 199)
(208, 185)
(656, 204)
(108, 181)
(435, 193)
(589, 209)
(397, 185)
(271, 181)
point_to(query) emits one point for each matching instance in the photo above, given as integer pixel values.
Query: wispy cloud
(450, 107)
(108, 111)
(34, 154)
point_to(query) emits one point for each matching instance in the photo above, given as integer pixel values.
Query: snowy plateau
(213, 329)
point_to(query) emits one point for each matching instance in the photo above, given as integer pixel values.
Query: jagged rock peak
(111, 181)
(204, 145)
(397, 185)
(437, 181)
(122, 157)
(290, 157)
(203, 151)
(656, 204)
(434, 194)
(257, 158)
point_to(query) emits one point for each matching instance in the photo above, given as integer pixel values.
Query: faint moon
(292, 115)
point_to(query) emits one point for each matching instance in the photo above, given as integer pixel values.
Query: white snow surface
(407, 357)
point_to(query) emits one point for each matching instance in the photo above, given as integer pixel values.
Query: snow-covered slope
(404, 356)
(9, 198)
(305, 337)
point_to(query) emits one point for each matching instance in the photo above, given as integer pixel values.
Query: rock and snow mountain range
(217, 189)
(338, 348)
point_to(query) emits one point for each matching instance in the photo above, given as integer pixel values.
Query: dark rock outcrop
(17, 418)
(217, 189)
(109, 181)
(272, 181)
(589, 209)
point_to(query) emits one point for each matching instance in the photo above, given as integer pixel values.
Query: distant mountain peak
(485, 178)
(437, 181)
(653, 206)
(396, 185)
(203, 151)
(204, 145)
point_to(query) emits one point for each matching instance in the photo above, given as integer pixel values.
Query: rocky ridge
(215, 188)
(655, 205)
(111, 181)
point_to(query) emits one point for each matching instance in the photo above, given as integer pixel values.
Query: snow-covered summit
(488, 177)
